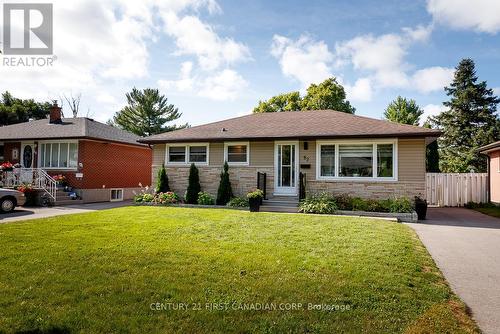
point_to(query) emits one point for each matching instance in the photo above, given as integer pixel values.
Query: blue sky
(216, 60)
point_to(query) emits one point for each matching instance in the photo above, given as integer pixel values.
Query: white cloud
(478, 15)
(420, 33)
(431, 110)
(432, 79)
(102, 48)
(220, 86)
(383, 55)
(226, 85)
(193, 37)
(361, 90)
(496, 90)
(304, 60)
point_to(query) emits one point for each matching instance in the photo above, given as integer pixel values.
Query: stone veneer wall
(373, 190)
(243, 179)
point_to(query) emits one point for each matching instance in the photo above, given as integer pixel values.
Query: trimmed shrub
(224, 193)
(344, 202)
(402, 204)
(143, 198)
(323, 203)
(194, 186)
(166, 198)
(238, 202)
(205, 198)
(162, 181)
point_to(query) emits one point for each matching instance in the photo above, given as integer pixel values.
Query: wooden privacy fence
(456, 189)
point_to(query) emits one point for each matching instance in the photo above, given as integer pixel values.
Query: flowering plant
(26, 188)
(168, 197)
(6, 166)
(59, 178)
(256, 194)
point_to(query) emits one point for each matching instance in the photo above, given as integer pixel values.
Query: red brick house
(101, 162)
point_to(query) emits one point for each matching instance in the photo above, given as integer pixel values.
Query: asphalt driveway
(466, 247)
(22, 213)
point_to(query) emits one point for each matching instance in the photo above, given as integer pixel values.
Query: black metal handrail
(261, 183)
(302, 186)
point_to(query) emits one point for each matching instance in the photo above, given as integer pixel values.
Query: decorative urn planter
(421, 208)
(254, 204)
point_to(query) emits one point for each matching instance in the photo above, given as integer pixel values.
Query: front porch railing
(261, 183)
(37, 177)
(302, 186)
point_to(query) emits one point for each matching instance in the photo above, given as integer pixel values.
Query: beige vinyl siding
(159, 154)
(308, 157)
(262, 154)
(411, 159)
(216, 154)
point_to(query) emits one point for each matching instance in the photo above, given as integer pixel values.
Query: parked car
(9, 199)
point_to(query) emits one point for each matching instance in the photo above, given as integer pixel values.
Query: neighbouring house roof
(490, 147)
(70, 128)
(288, 125)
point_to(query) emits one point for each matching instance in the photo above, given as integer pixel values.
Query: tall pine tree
(469, 123)
(147, 113)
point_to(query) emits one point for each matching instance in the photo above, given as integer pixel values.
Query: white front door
(27, 155)
(286, 157)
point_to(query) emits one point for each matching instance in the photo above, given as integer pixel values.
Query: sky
(215, 59)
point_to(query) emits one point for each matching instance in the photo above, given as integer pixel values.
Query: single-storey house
(321, 150)
(101, 162)
(493, 152)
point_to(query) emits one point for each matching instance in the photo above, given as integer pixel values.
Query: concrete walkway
(34, 213)
(466, 247)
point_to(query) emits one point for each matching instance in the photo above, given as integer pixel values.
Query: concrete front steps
(62, 198)
(281, 204)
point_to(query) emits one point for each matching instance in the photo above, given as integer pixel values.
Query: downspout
(488, 159)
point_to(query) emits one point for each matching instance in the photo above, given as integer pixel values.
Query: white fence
(456, 189)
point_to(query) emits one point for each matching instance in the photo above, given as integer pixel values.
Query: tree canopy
(327, 95)
(147, 113)
(469, 123)
(404, 111)
(14, 110)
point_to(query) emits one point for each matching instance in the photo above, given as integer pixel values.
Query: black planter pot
(421, 208)
(254, 204)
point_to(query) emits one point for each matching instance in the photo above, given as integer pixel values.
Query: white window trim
(226, 152)
(39, 159)
(186, 161)
(117, 199)
(374, 178)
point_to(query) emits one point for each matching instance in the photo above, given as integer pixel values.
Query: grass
(103, 272)
(493, 211)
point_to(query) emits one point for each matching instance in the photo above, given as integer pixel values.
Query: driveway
(34, 213)
(466, 247)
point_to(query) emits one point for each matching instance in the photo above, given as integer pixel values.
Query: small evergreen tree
(224, 193)
(194, 186)
(162, 181)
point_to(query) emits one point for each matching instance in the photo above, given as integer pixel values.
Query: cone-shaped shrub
(224, 193)
(162, 181)
(193, 186)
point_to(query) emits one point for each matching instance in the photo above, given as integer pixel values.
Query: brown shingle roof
(284, 125)
(80, 127)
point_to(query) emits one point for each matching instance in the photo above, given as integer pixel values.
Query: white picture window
(116, 195)
(237, 153)
(357, 160)
(59, 155)
(187, 154)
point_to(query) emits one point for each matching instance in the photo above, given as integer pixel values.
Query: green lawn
(490, 211)
(102, 271)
